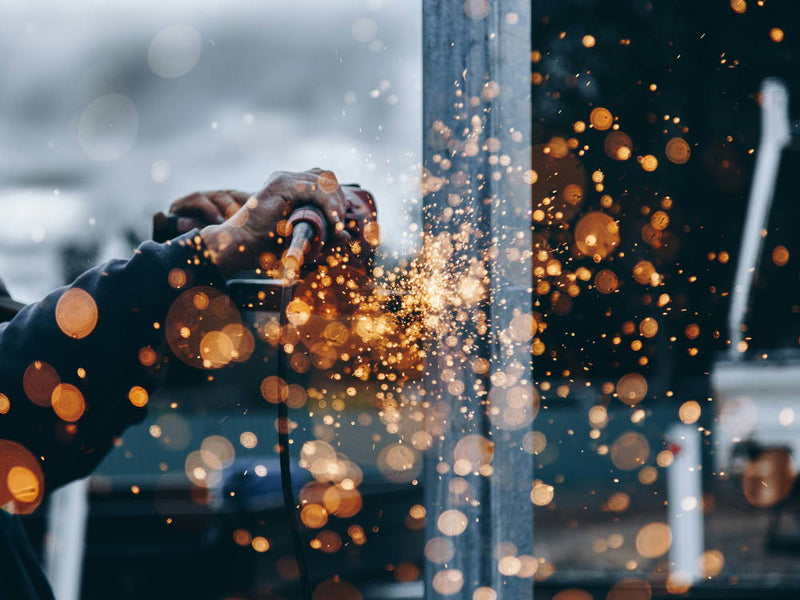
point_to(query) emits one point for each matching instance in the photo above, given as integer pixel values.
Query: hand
(239, 242)
(197, 210)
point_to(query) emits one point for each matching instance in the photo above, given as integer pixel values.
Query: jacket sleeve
(69, 363)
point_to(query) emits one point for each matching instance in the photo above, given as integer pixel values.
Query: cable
(289, 500)
(309, 231)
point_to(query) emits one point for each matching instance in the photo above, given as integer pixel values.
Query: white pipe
(66, 538)
(774, 138)
(685, 504)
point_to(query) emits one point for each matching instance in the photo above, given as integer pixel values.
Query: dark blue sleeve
(123, 349)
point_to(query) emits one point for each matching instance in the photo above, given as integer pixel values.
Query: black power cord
(289, 500)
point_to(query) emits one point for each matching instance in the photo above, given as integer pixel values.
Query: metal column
(476, 194)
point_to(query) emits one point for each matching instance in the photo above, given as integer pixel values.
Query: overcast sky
(111, 110)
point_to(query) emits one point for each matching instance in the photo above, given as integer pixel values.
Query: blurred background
(671, 446)
(109, 111)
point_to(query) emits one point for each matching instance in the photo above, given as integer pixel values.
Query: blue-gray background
(111, 110)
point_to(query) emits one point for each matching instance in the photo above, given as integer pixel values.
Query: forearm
(104, 359)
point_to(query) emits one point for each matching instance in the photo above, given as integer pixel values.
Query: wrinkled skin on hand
(238, 228)
(239, 241)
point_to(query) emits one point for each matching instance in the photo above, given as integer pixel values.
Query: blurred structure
(753, 391)
(650, 113)
(477, 216)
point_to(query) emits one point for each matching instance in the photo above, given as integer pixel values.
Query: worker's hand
(207, 208)
(252, 231)
(197, 210)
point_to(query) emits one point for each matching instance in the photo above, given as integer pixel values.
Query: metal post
(775, 136)
(66, 538)
(476, 201)
(684, 488)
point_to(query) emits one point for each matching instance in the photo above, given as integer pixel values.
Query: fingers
(227, 202)
(315, 186)
(239, 197)
(185, 224)
(208, 208)
(199, 206)
(250, 229)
